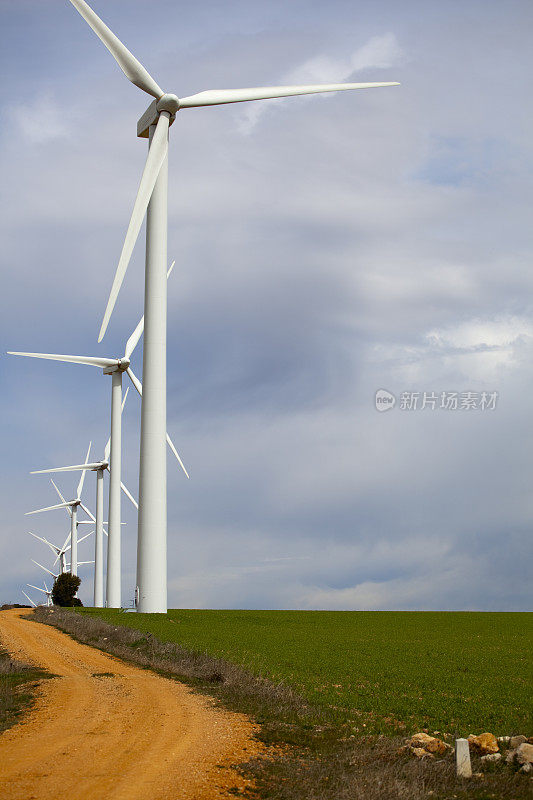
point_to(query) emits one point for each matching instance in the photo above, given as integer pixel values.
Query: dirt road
(125, 735)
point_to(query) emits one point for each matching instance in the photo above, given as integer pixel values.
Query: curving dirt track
(128, 735)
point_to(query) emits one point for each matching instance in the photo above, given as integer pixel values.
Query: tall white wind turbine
(114, 367)
(154, 124)
(72, 508)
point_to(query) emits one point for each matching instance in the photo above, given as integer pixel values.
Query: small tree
(64, 590)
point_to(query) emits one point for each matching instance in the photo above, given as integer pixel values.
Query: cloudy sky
(326, 248)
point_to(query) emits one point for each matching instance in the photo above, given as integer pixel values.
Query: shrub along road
(102, 728)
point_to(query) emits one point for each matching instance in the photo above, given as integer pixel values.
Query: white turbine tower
(152, 198)
(99, 467)
(72, 506)
(114, 367)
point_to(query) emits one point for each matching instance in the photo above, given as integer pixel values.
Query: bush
(64, 590)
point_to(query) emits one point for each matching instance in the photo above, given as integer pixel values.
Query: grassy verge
(454, 672)
(17, 688)
(319, 752)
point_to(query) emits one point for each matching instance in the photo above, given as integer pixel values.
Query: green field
(383, 671)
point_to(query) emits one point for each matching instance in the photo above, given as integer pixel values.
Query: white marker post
(462, 759)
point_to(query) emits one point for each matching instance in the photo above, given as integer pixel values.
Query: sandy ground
(131, 734)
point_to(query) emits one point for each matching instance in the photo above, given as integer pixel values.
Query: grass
(319, 753)
(17, 688)
(383, 672)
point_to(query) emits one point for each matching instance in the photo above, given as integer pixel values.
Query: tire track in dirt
(128, 735)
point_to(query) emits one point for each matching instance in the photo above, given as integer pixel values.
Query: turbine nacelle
(121, 365)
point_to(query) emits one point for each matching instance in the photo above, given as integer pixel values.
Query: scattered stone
(525, 769)
(524, 754)
(516, 741)
(478, 775)
(428, 743)
(483, 744)
(509, 758)
(504, 739)
(419, 752)
(491, 757)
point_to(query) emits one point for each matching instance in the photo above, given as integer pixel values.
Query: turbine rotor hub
(170, 103)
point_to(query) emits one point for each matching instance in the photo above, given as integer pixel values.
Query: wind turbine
(72, 506)
(152, 199)
(60, 552)
(114, 367)
(99, 467)
(46, 591)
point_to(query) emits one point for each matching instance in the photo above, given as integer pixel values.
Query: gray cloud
(325, 248)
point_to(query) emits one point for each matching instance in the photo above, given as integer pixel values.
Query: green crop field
(383, 671)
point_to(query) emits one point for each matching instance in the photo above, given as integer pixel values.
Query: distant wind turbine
(72, 507)
(99, 467)
(46, 591)
(151, 199)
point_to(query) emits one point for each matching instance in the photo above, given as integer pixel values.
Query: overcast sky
(326, 248)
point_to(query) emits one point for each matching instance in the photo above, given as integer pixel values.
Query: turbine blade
(69, 510)
(171, 445)
(138, 385)
(45, 568)
(215, 97)
(57, 490)
(74, 468)
(156, 156)
(48, 508)
(135, 380)
(82, 477)
(128, 494)
(86, 536)
(28, 598)
(52, 547)
(92, 361)
(127, 62)
(89, 513)
(41, 539)
(133, 341)
(36, 587)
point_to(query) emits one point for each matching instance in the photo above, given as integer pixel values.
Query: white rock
(491, 757)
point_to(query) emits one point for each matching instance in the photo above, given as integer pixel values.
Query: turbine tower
(151, 590)
(72, 507)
